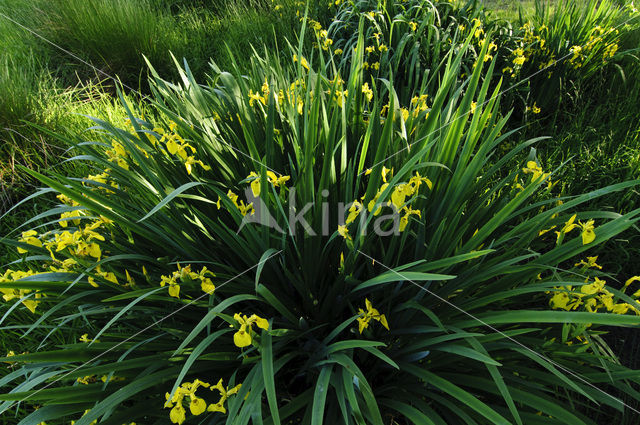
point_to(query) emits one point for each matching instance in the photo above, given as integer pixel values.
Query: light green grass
(114, 35)
(510, 9)
(38, 81)
(66, 112)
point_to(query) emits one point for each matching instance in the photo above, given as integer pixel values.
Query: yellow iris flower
(354, 211)
(243, 336)
(344, 232)
(404, 220)
(277, 181)
(588, 233)
(368, 93)
(593, 288)
(591, 262)
(30, 238)
(225, 393)
(371, 313)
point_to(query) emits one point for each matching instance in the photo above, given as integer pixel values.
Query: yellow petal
(197, 406)
(130, 280)
(177, 414)
(182, 152)
(631, 280)
(255, 187)
(363, 323)
(207, 286)
(218, 387)
(620, 308)
(31, 305)
(111, 277)
(384, 173)
(262, 323)
(404, 220)
(218, 407)
(559, 300)
(241, 338)
(588, 236)
(398, 197)
(174, 291)
(383, 320)
(234, 390)
(92, 282)
(94, 250)
(168, 402)
(172, 146)
(607, 301)
(344, 232)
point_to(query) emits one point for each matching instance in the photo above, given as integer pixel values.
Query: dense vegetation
(385, 212)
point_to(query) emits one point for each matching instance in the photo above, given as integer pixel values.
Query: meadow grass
(512, 9)
(31, 144)
(43, 85)
(115, 35)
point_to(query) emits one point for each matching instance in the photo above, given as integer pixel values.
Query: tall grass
(112, 35)
(568, 46)
(43, 85)
(22, 81)
(115, 35)
(230, 31)
(22, 74)
(28, 90)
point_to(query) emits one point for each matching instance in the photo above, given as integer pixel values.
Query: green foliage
(592, 123)
(31, 145)
(567, 46)
(166, 194)
(44, 85)
(557, 48)
(111, 35)
(411, 39)
(21, 76)
(598, 145)
(511, 10)
(114, 36)
(22, 82)
(110, 292)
